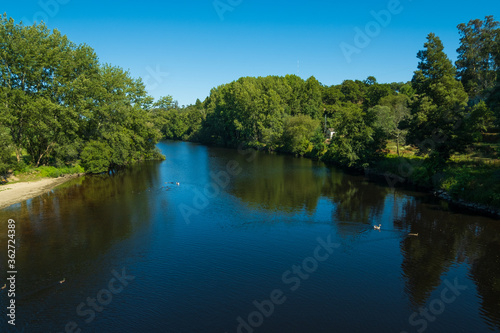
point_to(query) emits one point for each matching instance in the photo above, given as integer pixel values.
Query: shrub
(53, 172)
(96, 157)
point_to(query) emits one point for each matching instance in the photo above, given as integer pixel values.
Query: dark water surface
(247, 243)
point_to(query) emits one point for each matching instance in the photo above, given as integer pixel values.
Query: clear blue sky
(199, 50)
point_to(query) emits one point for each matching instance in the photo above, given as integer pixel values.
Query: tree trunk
(397, 144)
(18, 154)
(47, 151)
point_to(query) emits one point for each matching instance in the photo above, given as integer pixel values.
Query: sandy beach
(17, 192)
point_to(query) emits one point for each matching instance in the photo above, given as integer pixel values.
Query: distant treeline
(60, 106)
(442, 110)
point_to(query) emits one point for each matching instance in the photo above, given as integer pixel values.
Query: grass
(28, 173)
(473, 176)
(53, 172)
(391, 148)
(477, 182)
(412, 169)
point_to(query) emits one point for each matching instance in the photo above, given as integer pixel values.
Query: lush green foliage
(356, 141)
(475, 183)
(285, 114)
(288, 114)
(61, 107)
(5, 151)
(297, 134)
(439, 110)
(252, 111)
(476, 64)
(443, 111)
(50, 171)
(392, 117)
(178, 123)
(57, 101)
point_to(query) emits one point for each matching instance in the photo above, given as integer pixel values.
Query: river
(247, 242)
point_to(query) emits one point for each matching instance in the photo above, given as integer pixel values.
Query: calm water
(247, 243)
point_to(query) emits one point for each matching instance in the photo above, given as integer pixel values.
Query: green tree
(480, 119)
(165, 103)
(332, 95)
(408, 90)
(355, 143)
(312, 98)
(121, 117)
(393, 118)
(5, 151)
(375, 92)
(353, 91)
(493, 100)
(438, 111)
(96, 157)
(476, 67)
(39, 68)
(297, 134)
(55, 98)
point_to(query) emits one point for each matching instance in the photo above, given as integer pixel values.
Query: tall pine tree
(438, 109)
(476, 66)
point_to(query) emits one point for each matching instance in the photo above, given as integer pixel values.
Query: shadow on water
(445, 239)
(201, 276)
(279, 182)
(68, 233)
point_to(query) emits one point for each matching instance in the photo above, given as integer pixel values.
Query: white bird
(377, 227)
(63, 280)
(177, 183)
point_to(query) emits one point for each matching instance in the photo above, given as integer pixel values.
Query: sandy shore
(18, 192)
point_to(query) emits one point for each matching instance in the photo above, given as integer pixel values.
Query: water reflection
(358, 204)
(484, 257)
(446, 241)
(276, 182)
(200, 277)
(67, 233)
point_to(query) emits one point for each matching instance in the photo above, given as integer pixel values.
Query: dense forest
(443, 110)
(61, 107)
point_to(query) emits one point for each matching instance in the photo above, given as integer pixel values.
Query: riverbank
(12, 193)
(473, 185)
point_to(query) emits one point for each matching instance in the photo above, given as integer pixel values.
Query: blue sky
(185, 48)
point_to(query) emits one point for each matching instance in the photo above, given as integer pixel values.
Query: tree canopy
(442, 111)
(60, 105)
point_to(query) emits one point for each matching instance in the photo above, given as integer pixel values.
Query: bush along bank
(444, 112)
(474, 185)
